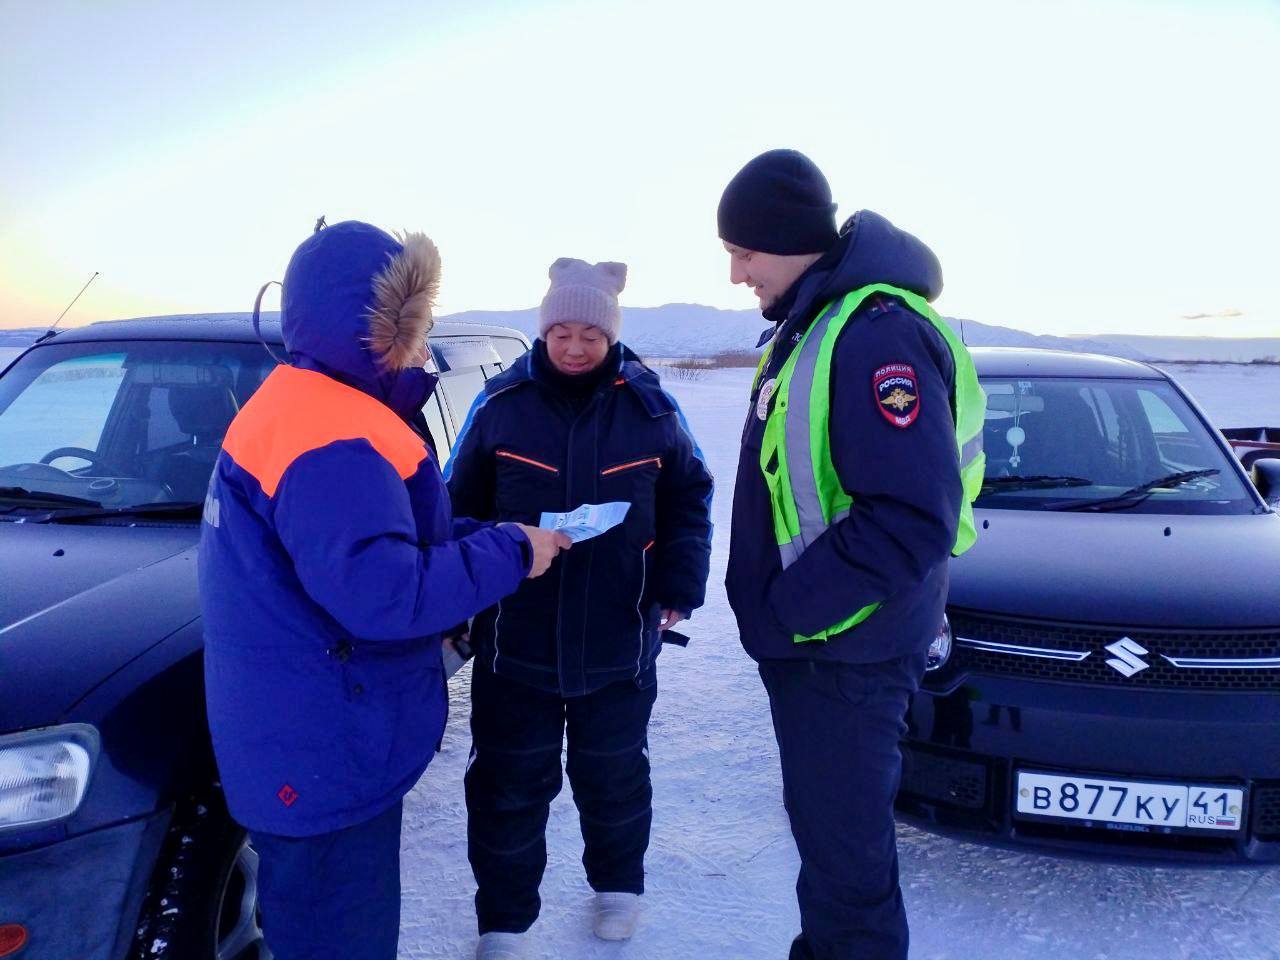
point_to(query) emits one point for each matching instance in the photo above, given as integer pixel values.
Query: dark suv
(114, 840)
(1109, 679)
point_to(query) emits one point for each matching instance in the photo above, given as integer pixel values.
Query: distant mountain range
(693, 330)
(1203, 349)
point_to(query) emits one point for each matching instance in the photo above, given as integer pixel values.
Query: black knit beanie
(778, 203)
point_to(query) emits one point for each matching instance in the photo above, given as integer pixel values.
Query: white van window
(434, 412)
(461, 388)
(472, 361)
(509, 349)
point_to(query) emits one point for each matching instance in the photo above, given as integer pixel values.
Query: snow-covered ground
(722, 865)
(1233, 395)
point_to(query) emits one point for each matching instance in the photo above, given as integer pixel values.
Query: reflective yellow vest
(795, 456)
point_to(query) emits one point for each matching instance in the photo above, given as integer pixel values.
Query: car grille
(1266, 812)
(1053, 651)
(939, 777)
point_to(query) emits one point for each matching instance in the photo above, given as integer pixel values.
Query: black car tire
(202, 903)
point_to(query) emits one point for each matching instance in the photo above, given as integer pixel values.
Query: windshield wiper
(1032, 482)
(184, 508)
(40, 498)
(1135, 495)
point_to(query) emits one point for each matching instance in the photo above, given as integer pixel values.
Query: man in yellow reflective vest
(861, 457)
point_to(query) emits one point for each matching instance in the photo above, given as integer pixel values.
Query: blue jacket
(527, 448)
(329, 565)
(894, 546)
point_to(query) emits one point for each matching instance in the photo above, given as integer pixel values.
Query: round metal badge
(766, 394)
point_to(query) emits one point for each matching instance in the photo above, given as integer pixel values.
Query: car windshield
(1079, 444)
(119, 424)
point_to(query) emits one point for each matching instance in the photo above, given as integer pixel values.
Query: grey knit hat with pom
(584, 292)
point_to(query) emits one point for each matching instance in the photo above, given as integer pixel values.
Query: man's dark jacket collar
(869, 250)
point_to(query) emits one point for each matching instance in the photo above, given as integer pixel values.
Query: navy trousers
(332, 895)
(838, 727)
(514, 773)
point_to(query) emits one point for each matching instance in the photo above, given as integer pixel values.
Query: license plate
(1181, 806)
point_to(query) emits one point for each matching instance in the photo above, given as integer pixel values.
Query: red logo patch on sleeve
(288, 796)
(897, 393)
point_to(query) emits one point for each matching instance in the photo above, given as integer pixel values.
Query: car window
(1114, 434)
(461, 388)
(1103, 408)
(459, 353)
(123, 423)
(463, 382)
(509, 349)
(1160, 415)
(435, 414)
(64, 404)
(162, 426)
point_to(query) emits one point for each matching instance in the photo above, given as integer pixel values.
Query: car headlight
(44, 773)
(940, 649)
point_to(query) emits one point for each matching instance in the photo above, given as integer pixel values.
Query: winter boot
(500, 946)
(616, 915)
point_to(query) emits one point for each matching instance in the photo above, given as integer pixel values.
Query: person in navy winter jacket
(838, 704)
(330, 564)
(578, 419)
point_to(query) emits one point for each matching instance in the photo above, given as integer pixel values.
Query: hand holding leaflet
(587, 521)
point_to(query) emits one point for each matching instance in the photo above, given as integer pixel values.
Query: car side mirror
(1266, 477)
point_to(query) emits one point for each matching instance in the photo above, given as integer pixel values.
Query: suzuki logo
(1128, 656)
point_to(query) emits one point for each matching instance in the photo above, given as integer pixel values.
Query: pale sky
(1079, 167)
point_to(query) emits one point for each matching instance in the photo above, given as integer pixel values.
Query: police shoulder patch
(897, 393)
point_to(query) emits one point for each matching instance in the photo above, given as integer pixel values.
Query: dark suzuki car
(114, 840)
(1109, 679)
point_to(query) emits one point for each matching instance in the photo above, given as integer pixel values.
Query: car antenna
(53, 329)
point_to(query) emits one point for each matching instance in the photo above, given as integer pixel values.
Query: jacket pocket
(639, 464)
(395, 710)
(634, 481)
(525, 486)
(512, 457)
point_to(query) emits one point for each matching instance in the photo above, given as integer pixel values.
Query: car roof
(233, 327)
(1037, 362)
(238, 327)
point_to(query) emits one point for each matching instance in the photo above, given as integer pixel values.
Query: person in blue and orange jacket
(330, 565)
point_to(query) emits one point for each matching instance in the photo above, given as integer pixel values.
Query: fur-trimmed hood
(357, 304)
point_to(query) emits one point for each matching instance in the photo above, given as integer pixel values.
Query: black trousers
(838, 727)
(517, 734)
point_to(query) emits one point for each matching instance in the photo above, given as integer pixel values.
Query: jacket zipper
(632, 466)
(568, 493)
(508, 455)
(639, 611)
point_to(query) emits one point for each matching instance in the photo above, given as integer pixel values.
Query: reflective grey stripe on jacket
(804, 485)
(971, 450)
